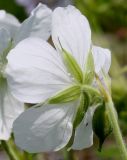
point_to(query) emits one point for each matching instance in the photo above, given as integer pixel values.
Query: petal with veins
(37, 25)
(49, 129)
(102, 59)
(10, 109)
(84, 132)
(9, 22)
(35, 71)
(72, 29)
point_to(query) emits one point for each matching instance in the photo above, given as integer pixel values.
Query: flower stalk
(10, 151)
(68, 154)
(116, 129)
(112, 114)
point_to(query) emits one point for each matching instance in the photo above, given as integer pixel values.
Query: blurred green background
(108, 20)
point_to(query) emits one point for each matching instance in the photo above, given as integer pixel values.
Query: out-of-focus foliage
(106, 15)
(110, 152)
(12, 7)
(119, 92)
(118, 73)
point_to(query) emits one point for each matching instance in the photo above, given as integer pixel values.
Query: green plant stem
(116, 129)
(9, 150)
(68, 155)
(28, 156)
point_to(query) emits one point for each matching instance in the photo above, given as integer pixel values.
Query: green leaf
(101, 124)
(89, 69)
(67, 95)
(72, 66)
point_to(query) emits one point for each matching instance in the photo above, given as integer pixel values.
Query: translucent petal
(35, 71)
(72, 30)
(9, 22)
(84, 133)
(48, 129)
(37, 25)
(10, 109)
(102, 59)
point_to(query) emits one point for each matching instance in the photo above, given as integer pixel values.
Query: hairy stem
(116, 129)
(68, 155)
(9, 150)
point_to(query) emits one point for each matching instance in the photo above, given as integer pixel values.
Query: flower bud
(101, 125)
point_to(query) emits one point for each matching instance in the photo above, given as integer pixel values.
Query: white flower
(11, 32)
(36, 72)
(9, 22)
(10, 108)
(38, 24)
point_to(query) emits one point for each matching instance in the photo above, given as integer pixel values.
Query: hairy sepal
(69, 94)
(72, 66)
(89, 73)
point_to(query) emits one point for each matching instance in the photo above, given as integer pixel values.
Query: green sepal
(72, 66)
(81, 110)
(101, 125)
(69, 94)
(89, 69)
(94, 94)
(91, 90)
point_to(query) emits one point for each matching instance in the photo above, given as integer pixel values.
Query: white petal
(102, 59)
(72, 29)
(37, 25)
(35, 71)
(4, 39)
(9, 22)
(84, 133)
(10, 109)
(44, 129)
